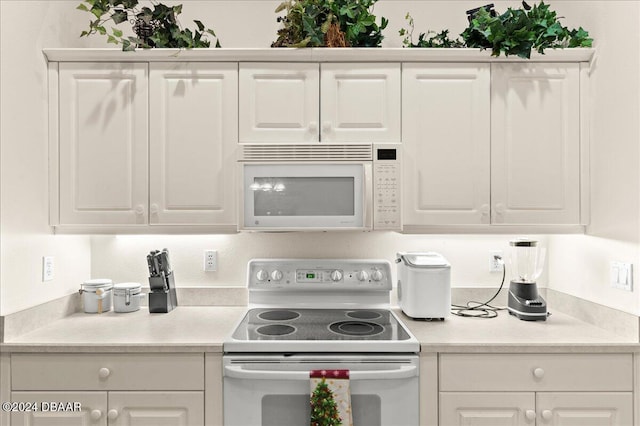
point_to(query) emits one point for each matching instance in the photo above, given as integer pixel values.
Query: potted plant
(153, 27)
(329, 23)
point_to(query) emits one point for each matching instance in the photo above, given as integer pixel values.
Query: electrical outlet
(496, 262)
(621, 275)
(210, 260)
(48, 268)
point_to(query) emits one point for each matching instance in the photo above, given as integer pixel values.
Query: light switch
(621, 275)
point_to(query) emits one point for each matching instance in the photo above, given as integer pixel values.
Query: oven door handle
(238, 372)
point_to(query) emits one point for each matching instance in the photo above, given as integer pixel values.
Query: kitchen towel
(330, 398)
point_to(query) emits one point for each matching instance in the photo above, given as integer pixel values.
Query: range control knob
(262, 275)
(363, 276)
(376, 275)
(336, 275)
(276, 275)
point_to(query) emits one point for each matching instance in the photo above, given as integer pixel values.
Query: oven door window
(304, 195)
(295, 410)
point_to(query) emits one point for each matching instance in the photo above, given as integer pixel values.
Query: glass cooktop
(320, 324)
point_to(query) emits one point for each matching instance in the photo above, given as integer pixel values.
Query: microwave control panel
(387, 213)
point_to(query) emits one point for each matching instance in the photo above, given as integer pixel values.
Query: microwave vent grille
(315, 152)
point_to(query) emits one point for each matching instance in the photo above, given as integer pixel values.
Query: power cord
(475, 309)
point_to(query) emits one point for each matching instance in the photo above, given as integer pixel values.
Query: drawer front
(536, 372)
(107, 372)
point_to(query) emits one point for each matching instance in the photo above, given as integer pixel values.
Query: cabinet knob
(112, 414)
(547, 415)
(313, 126)
(154, 209)
(326, 126)
(96, 414)
(530, 414)
(104, 372)
(484, 213)
(538, 373)
(500, 208)
(139, 210)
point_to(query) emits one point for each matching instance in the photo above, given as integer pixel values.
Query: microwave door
(304, 196)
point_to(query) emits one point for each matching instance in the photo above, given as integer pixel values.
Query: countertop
(204, 329)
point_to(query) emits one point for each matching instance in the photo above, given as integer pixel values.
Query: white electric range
(315, 314)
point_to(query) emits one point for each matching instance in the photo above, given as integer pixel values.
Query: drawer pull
(112, 414)
(538, 373)
(547, 415)
(104, 373)
(96, 414)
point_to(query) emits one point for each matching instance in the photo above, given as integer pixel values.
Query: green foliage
(314, 23)
(518, 31)
(154, 27)
(440, 39)
(324, 409)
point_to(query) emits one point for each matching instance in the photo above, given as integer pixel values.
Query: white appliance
(310, 314)
(324, 186)
(424, 285)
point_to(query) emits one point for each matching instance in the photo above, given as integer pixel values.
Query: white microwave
(320, 187)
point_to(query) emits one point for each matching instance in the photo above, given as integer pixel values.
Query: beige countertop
(204, 329)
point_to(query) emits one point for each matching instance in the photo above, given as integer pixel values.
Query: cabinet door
(92, 409)
(487, 408)
(445, 134)
(279, 102)
(585, 408)
(535, 143)
(103, 143)
(156, 408)
(360, 102)
(194, 111)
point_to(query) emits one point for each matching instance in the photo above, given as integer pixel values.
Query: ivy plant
(154, 27)
(519, 31)
(331, 23)
(428, 39)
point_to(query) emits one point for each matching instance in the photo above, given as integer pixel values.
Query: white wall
(577, 264)
(26, 27)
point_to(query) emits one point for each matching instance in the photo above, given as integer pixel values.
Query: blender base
(525, 303)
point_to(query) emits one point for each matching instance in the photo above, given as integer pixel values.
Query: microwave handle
(238, 372)
(368, 196)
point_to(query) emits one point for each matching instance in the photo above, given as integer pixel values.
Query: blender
(527, 261)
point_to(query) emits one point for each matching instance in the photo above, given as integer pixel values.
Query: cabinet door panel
(486, 408)
(90, 403)
(535, 148)
(194, 108)
(585, 408)
(157, 408)
(279, 102)
(445, 131)
(360, 102)
(103, 143)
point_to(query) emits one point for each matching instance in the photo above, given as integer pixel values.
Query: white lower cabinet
(109, 389)
(536, 389)
(111, 408)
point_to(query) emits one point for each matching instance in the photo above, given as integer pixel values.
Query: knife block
(162, 297)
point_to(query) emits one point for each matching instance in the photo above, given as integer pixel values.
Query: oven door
(306, 196)
(274, 390)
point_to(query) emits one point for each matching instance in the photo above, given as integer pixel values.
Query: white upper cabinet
(353, 102)
(535, 143)
(103, 137)
(445, 135)
(279, 102)
(193, 136)
(360, 102)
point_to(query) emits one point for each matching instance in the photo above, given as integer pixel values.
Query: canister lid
(126, 286)
(99, 282)
(423, 259)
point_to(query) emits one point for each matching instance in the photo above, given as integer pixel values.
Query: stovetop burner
(278, 315)
(356, 328)
(363, 314)
(275, 330)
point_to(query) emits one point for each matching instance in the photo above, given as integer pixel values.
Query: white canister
(126, 297)
(96, 295)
